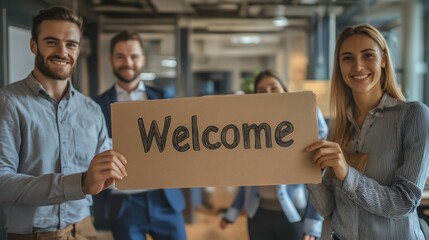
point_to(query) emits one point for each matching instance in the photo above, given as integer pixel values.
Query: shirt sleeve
(24, 189)
(403, 196)
(236, 206)
(313, 221)
(321, 125)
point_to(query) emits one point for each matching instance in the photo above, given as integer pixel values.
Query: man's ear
(33, 46)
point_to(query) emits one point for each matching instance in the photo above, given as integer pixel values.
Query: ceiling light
(280, 21)
(309, 1)
(246, 40)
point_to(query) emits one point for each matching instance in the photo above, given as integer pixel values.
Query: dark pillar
(184, 80)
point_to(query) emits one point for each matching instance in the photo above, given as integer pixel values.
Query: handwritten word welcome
(182, 133)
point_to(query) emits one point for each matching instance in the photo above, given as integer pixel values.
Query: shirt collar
(140, 88)
(386, 102)
(37, 88)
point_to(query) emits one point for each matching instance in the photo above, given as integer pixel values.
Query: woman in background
(277, 212)
(376, 159)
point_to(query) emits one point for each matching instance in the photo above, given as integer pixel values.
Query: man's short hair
(54, 13)
(125, 36)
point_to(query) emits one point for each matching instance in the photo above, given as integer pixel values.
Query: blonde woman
(376, 157)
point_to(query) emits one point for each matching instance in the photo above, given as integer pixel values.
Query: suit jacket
(109, 97)
(174, 196)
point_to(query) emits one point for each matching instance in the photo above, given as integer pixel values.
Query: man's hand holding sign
(233, 140)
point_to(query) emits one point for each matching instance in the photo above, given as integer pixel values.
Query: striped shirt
(381, 202)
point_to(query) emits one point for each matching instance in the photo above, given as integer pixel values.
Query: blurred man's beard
(44, 68)
(121, 78)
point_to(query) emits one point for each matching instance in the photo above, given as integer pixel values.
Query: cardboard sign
(233, 140)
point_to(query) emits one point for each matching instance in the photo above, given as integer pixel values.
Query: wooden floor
(206, 224)
(206, 227)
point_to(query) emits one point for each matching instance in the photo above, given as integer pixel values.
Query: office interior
(212, 47)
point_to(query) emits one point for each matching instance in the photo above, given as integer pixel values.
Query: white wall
(21, 59)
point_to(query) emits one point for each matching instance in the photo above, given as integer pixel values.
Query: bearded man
(49, 135)
(133, 214)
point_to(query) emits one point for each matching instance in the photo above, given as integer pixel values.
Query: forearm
(236, 206)
(46, 189)
(313, 227)
(395, 201)
(312, 222)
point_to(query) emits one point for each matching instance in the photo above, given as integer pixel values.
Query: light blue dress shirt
(381, 202)
(44, 148)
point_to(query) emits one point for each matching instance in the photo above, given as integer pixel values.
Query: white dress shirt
(138, 94)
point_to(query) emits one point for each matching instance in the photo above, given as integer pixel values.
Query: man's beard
(121, 78)
(43, 67)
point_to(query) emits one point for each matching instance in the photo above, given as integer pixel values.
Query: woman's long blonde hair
(341, 94)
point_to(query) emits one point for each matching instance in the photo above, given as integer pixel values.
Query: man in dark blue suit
(133, 214)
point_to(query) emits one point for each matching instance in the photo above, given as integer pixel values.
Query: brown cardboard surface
(184, 159)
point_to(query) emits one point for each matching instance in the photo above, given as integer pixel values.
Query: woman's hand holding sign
(329, 154)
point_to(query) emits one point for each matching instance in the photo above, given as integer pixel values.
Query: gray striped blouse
(381, 202)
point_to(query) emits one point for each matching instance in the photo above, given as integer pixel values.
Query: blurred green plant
(247, 79)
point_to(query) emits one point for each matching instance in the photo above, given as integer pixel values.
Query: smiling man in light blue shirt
(49, 135)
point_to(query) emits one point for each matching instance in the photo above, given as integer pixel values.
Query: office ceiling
(214, 8)
(221, 16)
